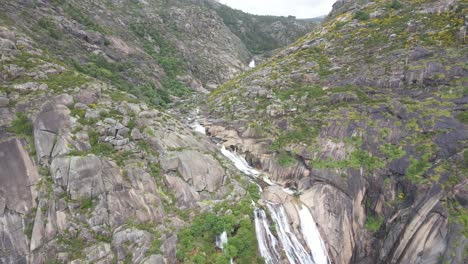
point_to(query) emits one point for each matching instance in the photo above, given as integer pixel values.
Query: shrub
(48, 25)
(361, 15)
(395, 4)
(373, 223)
(285, 159)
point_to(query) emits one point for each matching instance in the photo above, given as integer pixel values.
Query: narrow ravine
(304, 248)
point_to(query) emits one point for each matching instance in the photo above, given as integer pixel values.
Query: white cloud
(298, 8)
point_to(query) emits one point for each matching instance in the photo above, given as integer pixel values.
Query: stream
(304, 248)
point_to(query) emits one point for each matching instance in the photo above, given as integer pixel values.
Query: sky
(298, 8)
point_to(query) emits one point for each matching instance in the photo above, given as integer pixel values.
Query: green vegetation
(249, 30)
(395, 4)
(23, 127)
(196, 242)
(373, 223)
(358, 158)
(463, 117)
(83, 19)
(99, 148)
(73, 244)
(49, 26)
(66, 79)
(418, 168)
(168, 59)
(392, 152)
(254, 192)
(285, 159)
(361, 15)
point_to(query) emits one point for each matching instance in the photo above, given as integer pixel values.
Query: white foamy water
(221, 240)
(252, 64)
(240, 163)
(295, 251)
(267, 242)
(312, 236)
(198, 128)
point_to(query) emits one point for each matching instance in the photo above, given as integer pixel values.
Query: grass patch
(23, 127)
(285, 159)
(373, 223)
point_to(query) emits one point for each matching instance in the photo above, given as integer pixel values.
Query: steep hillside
(366, 117)
(262, 34)
(174, 47)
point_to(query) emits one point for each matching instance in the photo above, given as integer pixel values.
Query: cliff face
(366, 118)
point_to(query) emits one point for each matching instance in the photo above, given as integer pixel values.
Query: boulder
(201, 171)
(50, 132)
(186, 196)
(4, 102)
(87, 96)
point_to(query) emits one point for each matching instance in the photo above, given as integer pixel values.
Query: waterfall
(267, 242)
(313, 251)
(198, 128)
(252, 63)
(240, 163)
(221, 240)
(295, 251)
(312, 236)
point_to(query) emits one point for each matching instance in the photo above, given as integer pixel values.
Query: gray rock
(132, 242)
(18, 177)
(14, 246)
(51, 135)
(6, 44)
(64, 99)
(136, 135)
(87, 96)
(199, 170)
(186, 196)
(99, 253)
(154, 259)
(4, 102)
(135, 205)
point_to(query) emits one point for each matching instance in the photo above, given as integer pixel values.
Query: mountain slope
(366, 118)
(171, 46)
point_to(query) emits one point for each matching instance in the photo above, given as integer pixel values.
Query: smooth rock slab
(200, 170)
(18, 176)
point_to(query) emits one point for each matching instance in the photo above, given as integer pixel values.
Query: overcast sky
(298, 8)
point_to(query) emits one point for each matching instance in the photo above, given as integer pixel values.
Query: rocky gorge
(135, 132)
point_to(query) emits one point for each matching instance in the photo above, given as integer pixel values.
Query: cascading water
(295, 252)
(314, 250)
(311, 235)
(267, 242)
(252, 64)
(221, 240)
